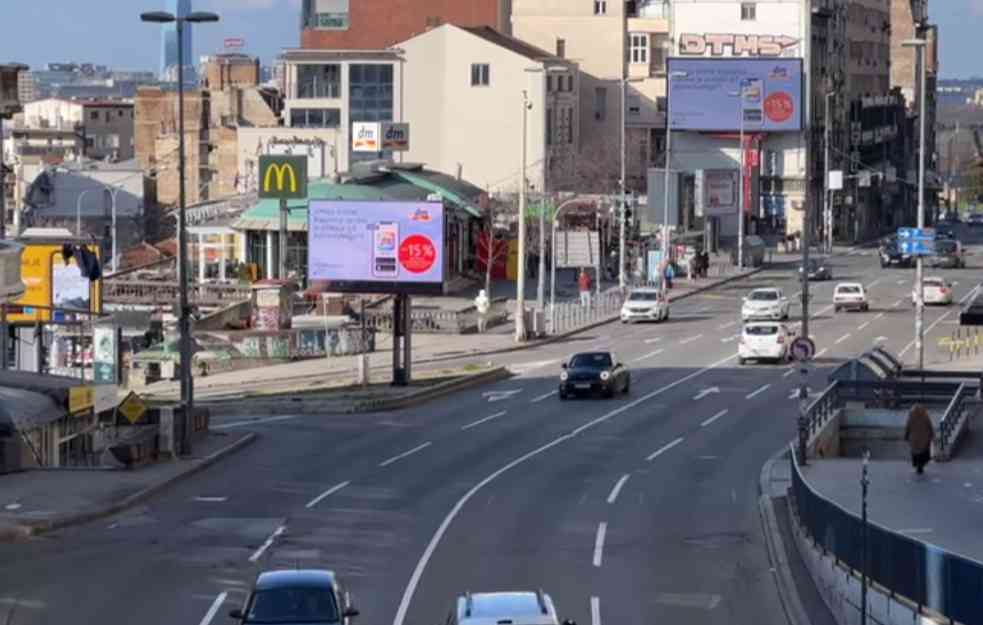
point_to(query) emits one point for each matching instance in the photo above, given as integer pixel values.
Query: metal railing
(428, 321)
(570, 315)
(153, 293)
(955, 420)
(926, 575)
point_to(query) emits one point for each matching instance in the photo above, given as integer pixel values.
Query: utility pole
(864, 483)
(828, 205)
(520, 296)
(919, 45)
(740, 209)
(624, 167)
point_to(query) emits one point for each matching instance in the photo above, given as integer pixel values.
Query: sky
(108, 32)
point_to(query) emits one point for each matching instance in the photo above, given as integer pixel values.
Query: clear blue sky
(108, 32)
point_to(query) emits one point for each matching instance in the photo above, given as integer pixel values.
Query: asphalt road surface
(636, 510)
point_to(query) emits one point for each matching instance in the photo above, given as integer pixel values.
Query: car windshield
(644, 296)
(761, 330)
(763, 296)
(933, 282)
(293, 605)
(813, 265)
(852, 290)
(591, 361)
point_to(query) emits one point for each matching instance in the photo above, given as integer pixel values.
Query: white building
(464, 105)
(778, 162)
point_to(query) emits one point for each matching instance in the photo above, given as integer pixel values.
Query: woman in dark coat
(919, 434)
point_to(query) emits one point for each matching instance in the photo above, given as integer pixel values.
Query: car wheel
(741, 361)
(666, 318)
(627, 385)
(609, 394)
(836, 309)
(624, 322)
(563, 395)
(865, 308)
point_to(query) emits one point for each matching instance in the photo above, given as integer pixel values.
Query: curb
(788, 592)
(438, 390)
(24, 530)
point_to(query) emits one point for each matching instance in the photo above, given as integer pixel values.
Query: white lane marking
(821, 352)
(260, 421)
(421, 565)
(873, 283)
(494, 396)
(713, 418)
(617, 488)
(879, 316)
(691, 339)
(331, 491)
(266, 545)
(897, 303)
(602, 530)
(416, 449)
(595, 611)
(901, 281)
(655, 340)
(211, 499)
(523, 367)
(647, 356)
(707, 391)
(727, 325)
(788, 373)
(757, 392)
(917, 530)
(663, 449)
(927, 330)
(213, 610)
(730, 339)
(842, 338)
(480, 421)
(536, 400)
(863, 325)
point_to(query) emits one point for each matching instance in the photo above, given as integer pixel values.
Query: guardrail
(926, 575)
(955, 421)
(426, 321)
(151, 293)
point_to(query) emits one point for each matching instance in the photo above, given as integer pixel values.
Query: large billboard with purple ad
(376, 247)
(703, 95)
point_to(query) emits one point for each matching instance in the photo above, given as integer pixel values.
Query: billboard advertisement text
(377, 247)
(49, 282)
(703, 95)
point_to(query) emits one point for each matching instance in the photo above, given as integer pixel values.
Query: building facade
(106, 127)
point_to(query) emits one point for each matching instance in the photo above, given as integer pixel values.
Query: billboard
(48, 282)
(283, 177)
(376, 246)
(380, 137)
(703, 94)
(717, 191)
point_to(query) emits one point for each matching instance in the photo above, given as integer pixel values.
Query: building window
(549, 126)
(561, 48)
(480, 74)
(318, 81)
(749, 11)
(600, 103)
(94, 115)
(660, 48)
(634, 105)
(315, 118)
(326, 14)
(639, 47)
(600, 7)
(549, 84)
(570, 125)
(370, 98)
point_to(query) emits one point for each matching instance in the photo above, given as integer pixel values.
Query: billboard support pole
(407, 340)
(284, 214)
(398, 379)
(740, 210)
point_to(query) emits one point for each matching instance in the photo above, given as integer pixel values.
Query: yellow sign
(50, 283)
(283, 177)
(80, 399)
(132, 407)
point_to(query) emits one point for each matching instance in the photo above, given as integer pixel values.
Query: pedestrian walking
(584, 284)
(482, 305)
(670, 274)
(919, 434)
(704, 263)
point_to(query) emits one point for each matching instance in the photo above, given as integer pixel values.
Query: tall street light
(184, 318)
(740, 202)
(827, 192)
(520, 295)
(919, 46)
(665, 183)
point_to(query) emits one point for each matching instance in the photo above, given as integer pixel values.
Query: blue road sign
(916, 247)
(916, 234)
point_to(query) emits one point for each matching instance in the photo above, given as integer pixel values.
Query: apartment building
(106, 126)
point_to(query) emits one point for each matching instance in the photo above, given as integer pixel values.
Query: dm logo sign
(283, 177)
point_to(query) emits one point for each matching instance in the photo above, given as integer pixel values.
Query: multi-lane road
(638, 510)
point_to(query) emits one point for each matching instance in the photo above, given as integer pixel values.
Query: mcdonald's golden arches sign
(283, 177)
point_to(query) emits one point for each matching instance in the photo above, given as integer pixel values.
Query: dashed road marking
(713, 418)
(691, 339)
(842, 338)
(727, 325)
(536, 400)
(863, 325)
(647, 356)
(595, 611)
(213, 610)
(757, 392)
(419, 448)
(663, 449)
(266, 545)
(480, 421)
(602, 530)
(617, 488)
(331, 491)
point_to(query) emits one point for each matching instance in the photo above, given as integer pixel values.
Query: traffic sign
(132, 407)
(803, 349)
(916, 241)
(916, 234)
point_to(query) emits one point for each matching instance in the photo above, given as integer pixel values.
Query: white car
(764, 340)
(850, 296)
(937, 291)
(489, 608)
(645, 305)
(768, 303)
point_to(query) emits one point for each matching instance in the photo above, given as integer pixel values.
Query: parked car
(645, 304)
(591, 373)
(850, 296)
(818, 269)
(890, 254)
(764, 340)
(525, 608)
(949, 254)
(294, 596)
(754, 251)
(936, 291)
(768, 303)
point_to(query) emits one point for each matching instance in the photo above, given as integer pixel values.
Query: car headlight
(564, 376)
(605, 376)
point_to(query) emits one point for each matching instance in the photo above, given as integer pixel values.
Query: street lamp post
(78, 212)
(827, 193)
(740, 200)
(520, 296)
(665, 182)
(184, 318)
(919, 46)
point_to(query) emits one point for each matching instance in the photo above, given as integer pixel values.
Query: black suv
(890, 254)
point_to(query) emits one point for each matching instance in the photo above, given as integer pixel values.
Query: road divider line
(602, 530)
(757, 392)
(842, 338)
(617, 488)
(595, 611)
(863, 325)
(655, 340)
(647, 356)
(691, 339)
(421, 565)
(269, 543)
(879, 316)
(480, 421)
(926, 331)
(897, 303)
(331, 491)
(536, 400)
(214, 608)
(260, 421)
(419, 448)
(713, 418)
(788, 373)
(820, 353)
(663, 449)
(727, 325)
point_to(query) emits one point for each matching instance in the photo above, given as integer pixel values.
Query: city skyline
(169, 44)
(269, 26)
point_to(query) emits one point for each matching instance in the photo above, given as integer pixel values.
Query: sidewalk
(36, 501)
